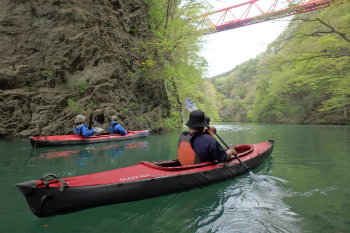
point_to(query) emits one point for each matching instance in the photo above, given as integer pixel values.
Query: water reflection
(80, 156)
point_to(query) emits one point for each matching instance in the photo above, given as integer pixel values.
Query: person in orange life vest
(195, 146)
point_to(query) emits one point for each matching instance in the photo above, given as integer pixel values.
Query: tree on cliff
(175, 48)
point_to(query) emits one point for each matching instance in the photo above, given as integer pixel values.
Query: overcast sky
(225, 50)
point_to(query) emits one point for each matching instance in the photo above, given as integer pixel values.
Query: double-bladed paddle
(191, 106)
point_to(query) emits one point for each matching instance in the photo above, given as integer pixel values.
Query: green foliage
(237, 91)
(134, 105)
(303, 77)
(171, 121)
(81, 86)
(140, 119)
(47, 72)
(74, 106)
(30, 89)
(135, 50)
(91, 105)
(125, 110)
(173, 56)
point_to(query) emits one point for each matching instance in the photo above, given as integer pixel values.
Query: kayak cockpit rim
(175, 164)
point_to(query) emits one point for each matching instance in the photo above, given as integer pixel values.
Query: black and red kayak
(73, 139)
(52, 195)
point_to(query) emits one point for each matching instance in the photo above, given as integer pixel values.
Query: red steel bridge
(255, 11)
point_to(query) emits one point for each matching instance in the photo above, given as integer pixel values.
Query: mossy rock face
(69, 57)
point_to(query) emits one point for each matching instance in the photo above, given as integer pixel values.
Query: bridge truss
(253, 11)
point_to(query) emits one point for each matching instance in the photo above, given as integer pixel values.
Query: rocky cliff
(61, 58)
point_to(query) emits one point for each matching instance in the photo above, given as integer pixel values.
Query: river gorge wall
(62, 58)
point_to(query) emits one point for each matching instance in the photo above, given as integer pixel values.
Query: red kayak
(48, 197)
(73, 139)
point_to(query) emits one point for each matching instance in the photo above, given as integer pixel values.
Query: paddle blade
(257, 179)
(145, 134)
(190, 105)
(97, 123)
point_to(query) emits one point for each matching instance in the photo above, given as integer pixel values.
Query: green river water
(305, 187)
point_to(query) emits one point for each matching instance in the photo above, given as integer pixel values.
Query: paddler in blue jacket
(116, 128)
(196, 146)
(80, 128)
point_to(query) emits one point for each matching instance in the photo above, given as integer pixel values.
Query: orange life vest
(185, 152)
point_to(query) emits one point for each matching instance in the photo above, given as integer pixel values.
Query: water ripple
(257, 207)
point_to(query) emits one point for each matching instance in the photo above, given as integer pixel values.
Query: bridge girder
(228, 19)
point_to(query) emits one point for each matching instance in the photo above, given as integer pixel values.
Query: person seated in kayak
(80, 128)
(116, 128)
(197, 146)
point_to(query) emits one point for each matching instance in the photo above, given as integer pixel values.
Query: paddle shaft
(234, 154)
(245, 166)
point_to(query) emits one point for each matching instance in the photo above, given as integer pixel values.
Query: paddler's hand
(231, 152)
(212, 129)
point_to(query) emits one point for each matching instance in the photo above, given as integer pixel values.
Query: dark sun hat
(197, 119)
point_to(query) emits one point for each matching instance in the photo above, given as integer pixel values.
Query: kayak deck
(148, 170)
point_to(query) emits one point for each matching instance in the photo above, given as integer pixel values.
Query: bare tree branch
(319, 32)
(342, 35)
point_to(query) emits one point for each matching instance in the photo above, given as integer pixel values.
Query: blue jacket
(82, 130)
(116, 128)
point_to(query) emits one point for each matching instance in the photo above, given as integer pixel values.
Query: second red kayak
(72, 139)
